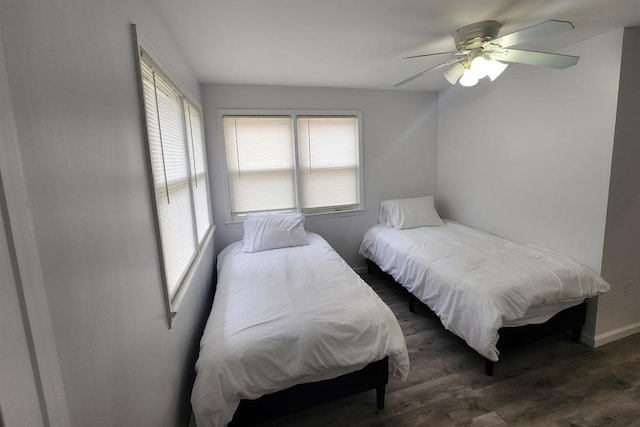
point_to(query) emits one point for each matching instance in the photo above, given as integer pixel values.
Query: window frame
(172, 302)
(293, 114)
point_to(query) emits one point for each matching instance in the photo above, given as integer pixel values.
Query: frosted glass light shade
(468, 79)
(495, 69)
(480, 67)
(470, 73)
(454, 72)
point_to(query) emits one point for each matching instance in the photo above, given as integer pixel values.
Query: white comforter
(284, 317)
(475, 281)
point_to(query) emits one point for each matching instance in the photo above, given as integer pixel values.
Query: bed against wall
(289, 311)
(476, 282)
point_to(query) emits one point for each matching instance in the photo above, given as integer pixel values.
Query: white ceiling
(359, 43)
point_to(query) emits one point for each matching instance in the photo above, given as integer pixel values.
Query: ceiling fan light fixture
(454, 72)
(468, 79)
(478, 48)
(495, 69)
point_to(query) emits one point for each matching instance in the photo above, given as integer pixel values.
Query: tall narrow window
(329, 163)
(178, 170)
(197, 164)
(260, 169)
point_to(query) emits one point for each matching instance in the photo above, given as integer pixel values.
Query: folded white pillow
(409, 213)
(273, 231)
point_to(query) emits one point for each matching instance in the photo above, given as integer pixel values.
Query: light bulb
(468, 79)
(495, 68)
(479, 67)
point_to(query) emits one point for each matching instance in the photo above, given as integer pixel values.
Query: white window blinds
(272, 168)
(328, 159)
(260, 163)
(199, 176)
(175, 143)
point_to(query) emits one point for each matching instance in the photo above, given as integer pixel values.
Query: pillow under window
(273, 231)
(409, 213)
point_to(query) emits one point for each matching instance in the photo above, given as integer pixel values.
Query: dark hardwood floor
(552, 382)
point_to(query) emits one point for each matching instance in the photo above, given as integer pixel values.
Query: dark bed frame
(373, 376)
(570, 318)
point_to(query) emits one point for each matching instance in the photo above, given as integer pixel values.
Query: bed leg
(380, 396)
(412, 303)
(576, 333)
(371, 266)
(488, 367)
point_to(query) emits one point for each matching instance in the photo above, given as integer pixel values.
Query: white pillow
(409, 213)
(273, 231)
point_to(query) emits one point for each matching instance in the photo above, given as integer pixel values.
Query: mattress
(477, 282)
(284, 317)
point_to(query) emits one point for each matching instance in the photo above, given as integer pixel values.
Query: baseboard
(616, 334)
(587, 339)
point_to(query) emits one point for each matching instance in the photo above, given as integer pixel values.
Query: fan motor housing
(473, 36)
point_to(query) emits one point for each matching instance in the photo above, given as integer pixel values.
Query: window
(328, 163)
(199, 175)
(259, 154)
(179, 173)
(286, 162)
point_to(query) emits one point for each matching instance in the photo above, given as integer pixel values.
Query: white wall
(72, 79)
(399, 138)
(528, 156)
(618, 311)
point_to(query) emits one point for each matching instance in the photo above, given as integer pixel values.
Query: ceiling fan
(480, 54)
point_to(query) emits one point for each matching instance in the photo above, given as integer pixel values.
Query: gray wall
(71, 75)
(529, 155)
(19, 401)
(399, 138)
(621, 257)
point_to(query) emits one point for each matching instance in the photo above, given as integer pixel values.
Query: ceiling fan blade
(542, 29)
(454, 52)
(422, 73)
(529, 57)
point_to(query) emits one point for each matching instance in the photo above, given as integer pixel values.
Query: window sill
(189, 276)
(235, 224)
(335, 214)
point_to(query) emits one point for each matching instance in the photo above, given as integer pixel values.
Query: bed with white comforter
(477, 282)
(284, 317)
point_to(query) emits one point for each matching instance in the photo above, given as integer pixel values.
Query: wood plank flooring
(552, 382)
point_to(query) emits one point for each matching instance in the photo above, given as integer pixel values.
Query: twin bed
(293, 316)
(291, 319)
(480, 285)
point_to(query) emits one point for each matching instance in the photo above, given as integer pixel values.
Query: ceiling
(359, 43)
